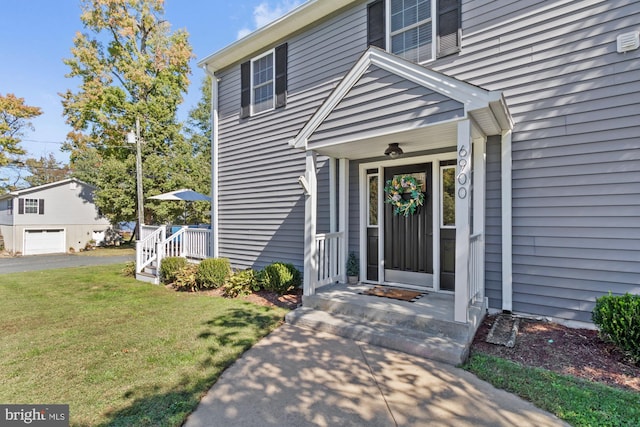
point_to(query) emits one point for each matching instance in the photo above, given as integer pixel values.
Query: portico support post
(310, 221)
(463, 219)
(343, 216)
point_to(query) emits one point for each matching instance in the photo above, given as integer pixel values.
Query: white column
(479, 214)
(310, 219)
(343, 216)
(333, 215)
(507, 257)
(463, 226)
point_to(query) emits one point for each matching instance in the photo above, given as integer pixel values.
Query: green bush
(185, 279)
(129, 269)
(170, 266)
(213, 273)
(280, 277)
(618, 318)
(241, 283)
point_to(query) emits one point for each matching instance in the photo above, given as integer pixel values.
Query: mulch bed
(570, 351)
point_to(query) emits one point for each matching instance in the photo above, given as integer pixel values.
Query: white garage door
(43, 242)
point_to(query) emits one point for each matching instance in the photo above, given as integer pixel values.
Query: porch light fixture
(393, 150)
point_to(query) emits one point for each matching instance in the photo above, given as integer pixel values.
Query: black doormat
(394, 293)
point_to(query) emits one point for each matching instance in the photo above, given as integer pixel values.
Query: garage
(43, 242)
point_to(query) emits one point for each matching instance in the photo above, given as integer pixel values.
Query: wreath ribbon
(400, 185)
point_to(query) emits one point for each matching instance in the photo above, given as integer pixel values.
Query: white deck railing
(476, 268)
(191, 243)
(147, 246)
(330, 257)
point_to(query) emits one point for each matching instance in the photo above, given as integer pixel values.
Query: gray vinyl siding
(576, 151)
(261, 205)
(382, 102)
(493, 224)
(576, 147)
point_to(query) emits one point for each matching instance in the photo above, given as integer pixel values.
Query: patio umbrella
(183, 195)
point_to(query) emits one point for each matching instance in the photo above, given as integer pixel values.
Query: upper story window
(418, 30)
(31, 206)
(263, 82)
(411, 29)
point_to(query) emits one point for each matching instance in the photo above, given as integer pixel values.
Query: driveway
(48, 262)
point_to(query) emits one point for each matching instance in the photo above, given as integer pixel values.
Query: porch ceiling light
(393, 150)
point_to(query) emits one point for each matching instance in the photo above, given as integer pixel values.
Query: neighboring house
(520, 120)
(51, 218)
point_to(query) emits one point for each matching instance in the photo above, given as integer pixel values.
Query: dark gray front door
(408, 240)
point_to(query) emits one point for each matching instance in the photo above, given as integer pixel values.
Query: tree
(130, 65)
(45, 170)
(14, 119)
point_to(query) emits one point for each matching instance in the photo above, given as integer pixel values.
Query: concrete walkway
(296, 377)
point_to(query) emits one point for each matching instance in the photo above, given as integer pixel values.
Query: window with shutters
(264, 82)
(417, 30)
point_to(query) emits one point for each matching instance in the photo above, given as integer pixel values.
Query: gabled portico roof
(486, 109)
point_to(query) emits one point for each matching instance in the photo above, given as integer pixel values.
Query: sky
(36, 35)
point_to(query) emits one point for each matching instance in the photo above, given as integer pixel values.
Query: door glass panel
(448, 192)
(373, 200)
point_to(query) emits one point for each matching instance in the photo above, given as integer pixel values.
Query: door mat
(504, 331)
(394, 293)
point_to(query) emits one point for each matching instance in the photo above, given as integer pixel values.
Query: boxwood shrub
(213, 273)
(618, 318)
(169, 268)
(280, 277)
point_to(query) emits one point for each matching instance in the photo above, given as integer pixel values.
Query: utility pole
(135, 139)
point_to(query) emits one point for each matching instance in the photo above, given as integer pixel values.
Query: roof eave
(300, 17)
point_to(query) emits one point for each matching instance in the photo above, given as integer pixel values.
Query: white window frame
(433, 29)
(271, 52)
(441, 201)
(27, 206)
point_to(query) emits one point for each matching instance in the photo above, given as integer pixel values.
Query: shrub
(241, 283)
(169, 267)
(213, 273)
(280, 277)
(129, 269)
(618, 318)
(185, 279)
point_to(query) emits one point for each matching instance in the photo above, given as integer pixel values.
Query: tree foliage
(45, 170)
(14, 119)
(130, 65)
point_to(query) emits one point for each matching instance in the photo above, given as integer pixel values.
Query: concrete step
(391, 313)
(147, 277)
(420, 343)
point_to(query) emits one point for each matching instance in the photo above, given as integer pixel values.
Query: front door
(408, 240)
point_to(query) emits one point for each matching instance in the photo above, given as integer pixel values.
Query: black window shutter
(41, 206)
(245, 89)
(449, 27)
(375, 24)
(20, 206)
(281, 75)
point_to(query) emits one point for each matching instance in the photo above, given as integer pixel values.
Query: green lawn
(579, 402)
(118, 351)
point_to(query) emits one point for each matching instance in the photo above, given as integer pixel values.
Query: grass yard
(578, 402)
(118, 351)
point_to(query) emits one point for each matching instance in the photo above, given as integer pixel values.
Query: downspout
(214, 163)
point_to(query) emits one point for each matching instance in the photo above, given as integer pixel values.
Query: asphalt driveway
(48, 262)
